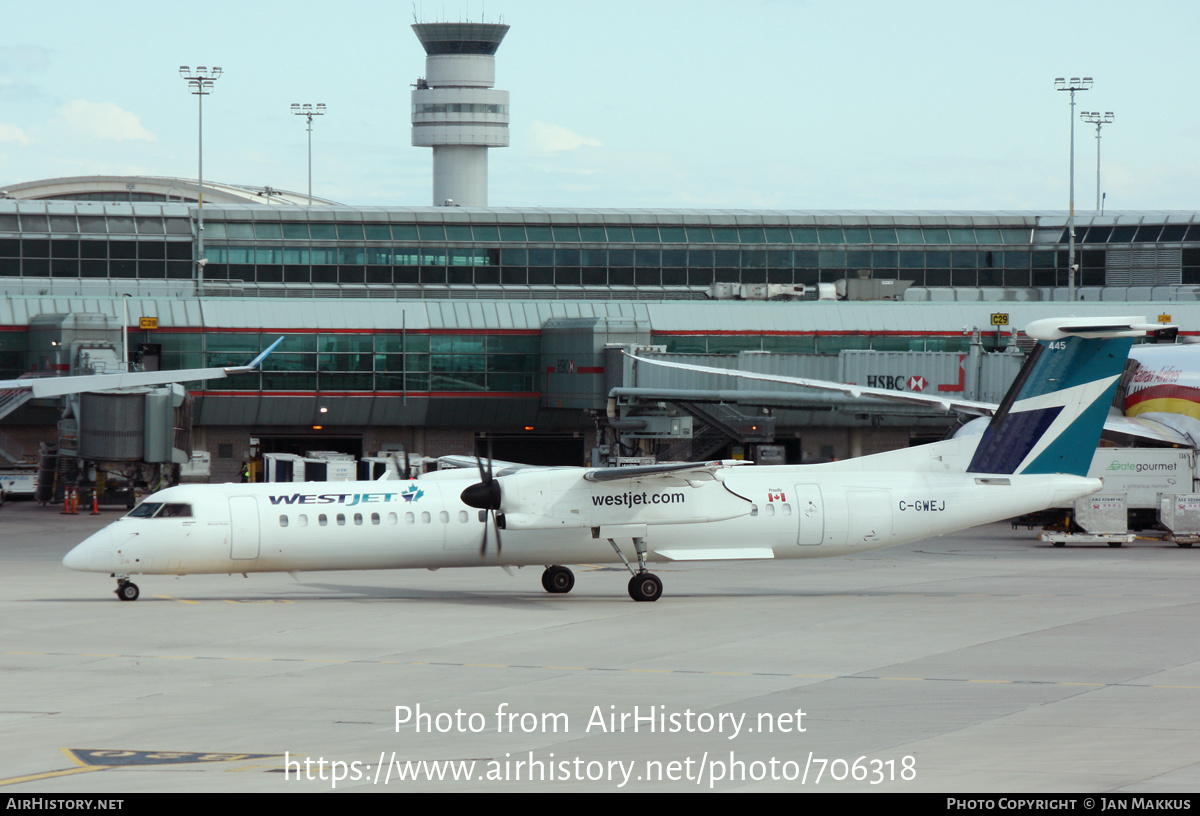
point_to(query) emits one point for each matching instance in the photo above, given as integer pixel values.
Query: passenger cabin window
(283, 521)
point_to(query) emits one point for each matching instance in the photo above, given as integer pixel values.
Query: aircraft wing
(1134, 427)
(649, 471)
(59, 386)
(454, 461)
(685, 470)
(941, 403)
(1146, 429)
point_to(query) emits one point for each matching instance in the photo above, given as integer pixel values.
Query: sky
(758, 104)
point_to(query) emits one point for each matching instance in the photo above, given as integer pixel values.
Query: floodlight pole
(201, 83)
(1073, 85)
(1098, 119)
(309, 111)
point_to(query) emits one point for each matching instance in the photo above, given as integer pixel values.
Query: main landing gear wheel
(127, 591)
(645, 586)
(558, 580)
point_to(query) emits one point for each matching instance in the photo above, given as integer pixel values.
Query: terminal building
(449, 328)
(432, 328)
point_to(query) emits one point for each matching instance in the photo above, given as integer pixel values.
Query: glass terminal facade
(461, 320)
(647, 254)
(441, 253)
(387, 363)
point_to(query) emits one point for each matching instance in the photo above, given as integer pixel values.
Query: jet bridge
(141, 433)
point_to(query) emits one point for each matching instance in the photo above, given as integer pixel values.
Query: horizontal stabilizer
(1057, 328)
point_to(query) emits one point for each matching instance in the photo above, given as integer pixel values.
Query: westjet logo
(347, 499)
(635, 499)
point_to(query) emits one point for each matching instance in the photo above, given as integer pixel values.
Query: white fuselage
(556, 516)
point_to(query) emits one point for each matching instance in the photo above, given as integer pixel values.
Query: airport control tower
(456, 111)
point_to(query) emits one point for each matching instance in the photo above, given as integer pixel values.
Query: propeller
(485, 496)
(403, 473)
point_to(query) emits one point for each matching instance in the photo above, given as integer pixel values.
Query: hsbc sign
(905, 372)
(915, 383)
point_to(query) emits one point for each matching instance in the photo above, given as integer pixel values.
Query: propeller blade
(486, 496)
(483, 540)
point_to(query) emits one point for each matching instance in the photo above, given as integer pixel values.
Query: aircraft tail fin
(1050, 419)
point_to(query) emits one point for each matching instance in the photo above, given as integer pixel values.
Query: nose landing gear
(127, 590)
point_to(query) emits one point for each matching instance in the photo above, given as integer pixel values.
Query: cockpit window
(160, 510)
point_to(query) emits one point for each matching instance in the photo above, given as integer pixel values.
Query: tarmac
(982, 662)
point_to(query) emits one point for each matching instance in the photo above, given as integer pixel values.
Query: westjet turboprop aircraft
(1033, 455)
